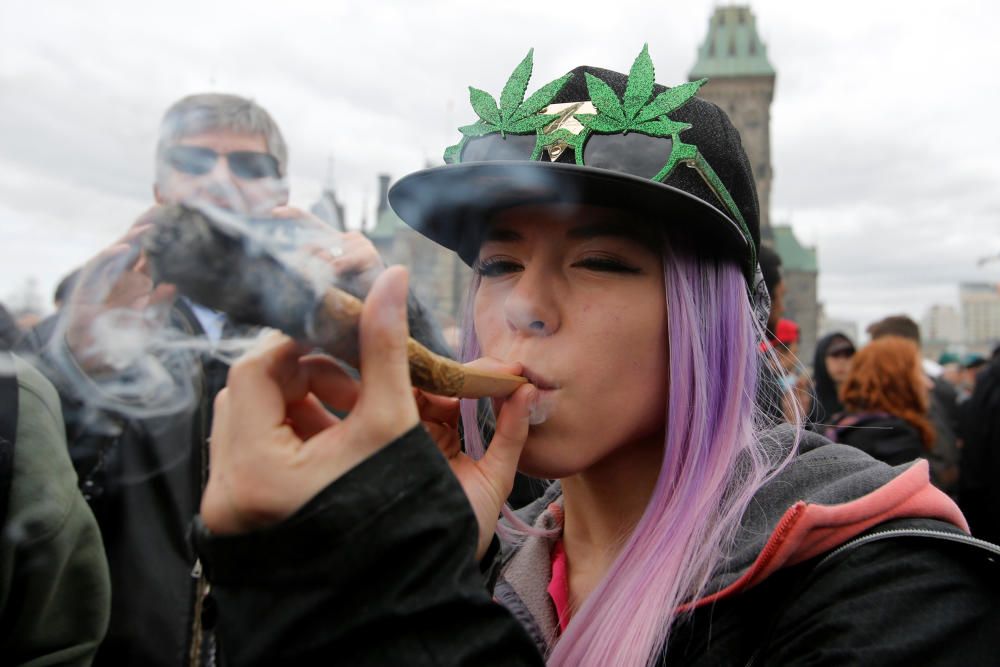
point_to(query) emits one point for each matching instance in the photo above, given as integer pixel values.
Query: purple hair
(714, 461)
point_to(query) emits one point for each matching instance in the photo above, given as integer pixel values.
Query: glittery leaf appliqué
(638, 113)
(599, 123)
(513, 91)
(604, 98)
(484, 105)
(541, 98)
(476, 129)
(669, 100)
(661, 127)
(514, 114)
(452, 154)
(640, 84)
(529, 124)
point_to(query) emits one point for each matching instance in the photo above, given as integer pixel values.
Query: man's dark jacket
(143, 478)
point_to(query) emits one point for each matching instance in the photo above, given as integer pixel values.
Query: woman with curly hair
(886, 399)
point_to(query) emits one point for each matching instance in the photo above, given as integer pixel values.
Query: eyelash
(495, 267)
(608, 264)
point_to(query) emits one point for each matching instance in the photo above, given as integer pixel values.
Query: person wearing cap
(612, 225)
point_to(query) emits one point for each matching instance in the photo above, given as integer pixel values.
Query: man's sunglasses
(198, 160)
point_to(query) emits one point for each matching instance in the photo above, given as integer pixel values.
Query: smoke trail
(124, 345)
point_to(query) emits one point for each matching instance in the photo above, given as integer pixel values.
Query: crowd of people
(695, 497)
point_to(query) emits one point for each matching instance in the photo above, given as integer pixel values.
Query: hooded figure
(826, 402)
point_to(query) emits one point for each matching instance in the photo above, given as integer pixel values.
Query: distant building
(829, 325)
(741, 81)
(940, 330)
(980, 305)
(328, 208)
(799, 270)
(437, 276)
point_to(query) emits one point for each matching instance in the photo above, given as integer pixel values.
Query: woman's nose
(531, 307)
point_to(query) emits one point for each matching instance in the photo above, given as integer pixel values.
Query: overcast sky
(886, 144)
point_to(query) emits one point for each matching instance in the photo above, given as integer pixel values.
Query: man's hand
(116, 278)
(351, 255)
(274, 445)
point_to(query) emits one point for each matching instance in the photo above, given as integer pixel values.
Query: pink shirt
(559, 585)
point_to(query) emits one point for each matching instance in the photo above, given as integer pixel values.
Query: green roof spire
(732, 47)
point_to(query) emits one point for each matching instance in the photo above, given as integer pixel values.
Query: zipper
(912, 532)
(202, 586)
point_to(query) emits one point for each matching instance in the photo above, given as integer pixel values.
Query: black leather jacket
(143, 478)
(378, 569)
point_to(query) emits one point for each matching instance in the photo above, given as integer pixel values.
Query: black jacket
(143, 478)
(883, 436)
(378, 569)
(979, 491)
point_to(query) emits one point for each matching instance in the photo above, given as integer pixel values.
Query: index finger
(264, 381)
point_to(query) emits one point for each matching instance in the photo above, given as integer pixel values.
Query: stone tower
(741, 81)
(437, 276)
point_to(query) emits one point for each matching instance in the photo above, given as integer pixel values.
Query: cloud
(883, 138)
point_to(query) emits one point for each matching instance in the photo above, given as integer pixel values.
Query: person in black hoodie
(831, 365)
(143, 459)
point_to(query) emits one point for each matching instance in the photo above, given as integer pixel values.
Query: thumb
(504, 452)
(385, 368)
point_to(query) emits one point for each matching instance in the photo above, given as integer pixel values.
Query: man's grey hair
(207, 112)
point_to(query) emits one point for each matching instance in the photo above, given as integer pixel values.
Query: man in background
(143, 467)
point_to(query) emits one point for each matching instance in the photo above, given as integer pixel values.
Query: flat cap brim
(452, 204)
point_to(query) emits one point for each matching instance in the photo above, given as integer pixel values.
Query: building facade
(741, 81)
(437, 276)
(980, 306)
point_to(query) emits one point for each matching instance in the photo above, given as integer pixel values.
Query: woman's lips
(544, 403)
(540, 381)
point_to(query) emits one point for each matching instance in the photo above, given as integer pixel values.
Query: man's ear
(156, 194)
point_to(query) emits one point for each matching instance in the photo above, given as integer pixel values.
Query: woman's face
(576, 295)
(838, 365)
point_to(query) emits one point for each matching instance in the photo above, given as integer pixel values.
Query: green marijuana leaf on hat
(635, 114)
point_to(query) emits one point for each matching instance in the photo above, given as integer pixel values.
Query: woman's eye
(492, 268)
(608, 264)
